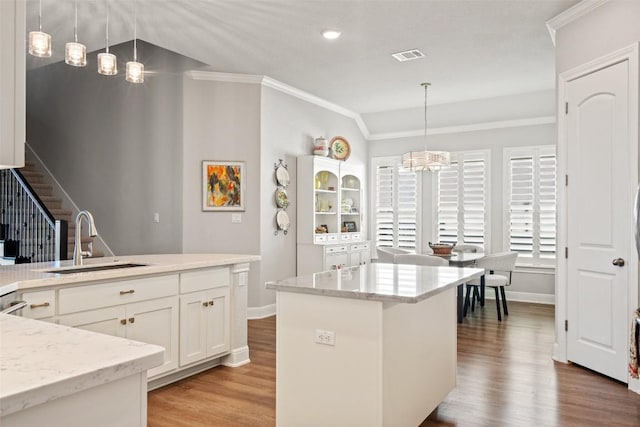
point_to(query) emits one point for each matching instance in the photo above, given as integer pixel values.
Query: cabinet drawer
(356, 236)
(200, 280)
(332, 238)
(345, 237)
(360, 247)
(40, 304)
(89, 297)
(321, 238)
(335, 249)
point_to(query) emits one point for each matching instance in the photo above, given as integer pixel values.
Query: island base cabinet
(151, 322)
(118, 403)
(204, 329)
(390, 364)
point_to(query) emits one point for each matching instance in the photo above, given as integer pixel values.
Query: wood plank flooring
(506, 377)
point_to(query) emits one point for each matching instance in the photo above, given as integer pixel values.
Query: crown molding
(534, 121)
(570, 15)
(282, 87)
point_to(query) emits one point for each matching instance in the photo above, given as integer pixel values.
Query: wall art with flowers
(223, 186)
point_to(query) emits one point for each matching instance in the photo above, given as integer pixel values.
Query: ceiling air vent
(408, 55)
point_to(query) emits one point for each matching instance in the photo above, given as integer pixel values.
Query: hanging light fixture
(39, 42)
(419, 161)
(107, 63)
(75, 53)
(135, 70)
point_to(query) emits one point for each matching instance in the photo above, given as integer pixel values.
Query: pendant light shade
(107, 62)
(75, 53)
(418, 161)
(135, 70)
(39, 42)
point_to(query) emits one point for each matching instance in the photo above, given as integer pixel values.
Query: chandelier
(418, 161)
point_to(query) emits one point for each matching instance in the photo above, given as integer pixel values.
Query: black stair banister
(26, 220)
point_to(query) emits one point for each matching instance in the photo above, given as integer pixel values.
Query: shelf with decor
(331, 216)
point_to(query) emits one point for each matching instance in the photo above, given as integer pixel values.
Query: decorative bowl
(441, 248)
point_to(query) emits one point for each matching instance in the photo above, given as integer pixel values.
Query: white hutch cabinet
(330, 203)
(12, 83)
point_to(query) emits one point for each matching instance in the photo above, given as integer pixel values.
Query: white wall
(534, 284)
(609, 27)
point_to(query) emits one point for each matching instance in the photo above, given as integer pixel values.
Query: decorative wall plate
(281, 198)
(282, 176)
(282, 219)
(340, 148)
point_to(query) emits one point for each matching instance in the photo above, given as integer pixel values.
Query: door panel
(599, 226)
(105, 321)
(193, 311)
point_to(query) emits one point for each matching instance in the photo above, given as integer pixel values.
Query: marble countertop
(33, 276)
(379, 282)
(41, 361)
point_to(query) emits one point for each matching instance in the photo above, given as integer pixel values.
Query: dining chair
(387, 254)
(505, 263)
(420, 259)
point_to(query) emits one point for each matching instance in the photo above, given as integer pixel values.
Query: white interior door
(599, 225)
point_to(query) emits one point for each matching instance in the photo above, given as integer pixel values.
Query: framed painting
(223, 185)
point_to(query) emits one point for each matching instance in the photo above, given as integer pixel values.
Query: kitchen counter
(34, 276)
(44, 363)
(379, 282)
(373, 345)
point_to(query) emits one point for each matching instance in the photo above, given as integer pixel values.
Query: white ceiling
(474, 49)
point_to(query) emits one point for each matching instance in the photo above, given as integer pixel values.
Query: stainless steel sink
(91, 268)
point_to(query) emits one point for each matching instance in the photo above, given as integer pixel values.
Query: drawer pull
(210, 303)
(44, 304)
(132, 319)
(123, 321)
(205, 304)
(130, 291)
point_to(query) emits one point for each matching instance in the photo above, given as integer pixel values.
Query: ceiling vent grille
(408, 55)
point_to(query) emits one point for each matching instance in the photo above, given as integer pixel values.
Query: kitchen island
(366, 346)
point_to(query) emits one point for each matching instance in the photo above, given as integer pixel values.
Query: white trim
(266, 81)
(61, 192)
(505, 124)
(238, 357)
(570, 15)
(632, 54)
(254, 313)
(529, 297)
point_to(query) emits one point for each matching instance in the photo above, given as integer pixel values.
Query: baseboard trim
(237, 357)
(524, 297)
(254, 313)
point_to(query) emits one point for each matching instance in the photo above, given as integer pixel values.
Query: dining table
(465, 259)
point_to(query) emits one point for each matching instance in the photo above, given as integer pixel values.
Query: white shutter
(396, 204)
(531, 196)
(462, 212)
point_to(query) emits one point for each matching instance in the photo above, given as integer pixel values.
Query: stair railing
(28, 223)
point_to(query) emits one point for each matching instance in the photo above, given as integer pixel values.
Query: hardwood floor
(506, 377)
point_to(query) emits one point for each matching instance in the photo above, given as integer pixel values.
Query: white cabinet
(204, 328)
(152, 322)
(330, 214)
(41, 305)
(12, 83)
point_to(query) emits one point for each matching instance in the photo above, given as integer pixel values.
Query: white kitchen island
(366, 346)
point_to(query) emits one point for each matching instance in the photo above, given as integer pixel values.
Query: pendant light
(39, 42)
(135, 70)
(75, 53)
(418, 161)
(107, 63)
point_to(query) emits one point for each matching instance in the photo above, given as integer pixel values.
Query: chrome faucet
(78, 253)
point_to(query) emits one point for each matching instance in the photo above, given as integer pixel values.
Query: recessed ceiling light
(408, 55)
(331, 34)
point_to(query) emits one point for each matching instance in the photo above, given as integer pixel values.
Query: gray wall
(115, 147)
(289, 126)
(612, 26)
(541, 282)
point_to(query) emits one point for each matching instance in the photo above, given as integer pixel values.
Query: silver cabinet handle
(619, 262)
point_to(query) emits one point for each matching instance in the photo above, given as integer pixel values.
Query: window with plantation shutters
(530, 201)
(396, 209)
(462, 203)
